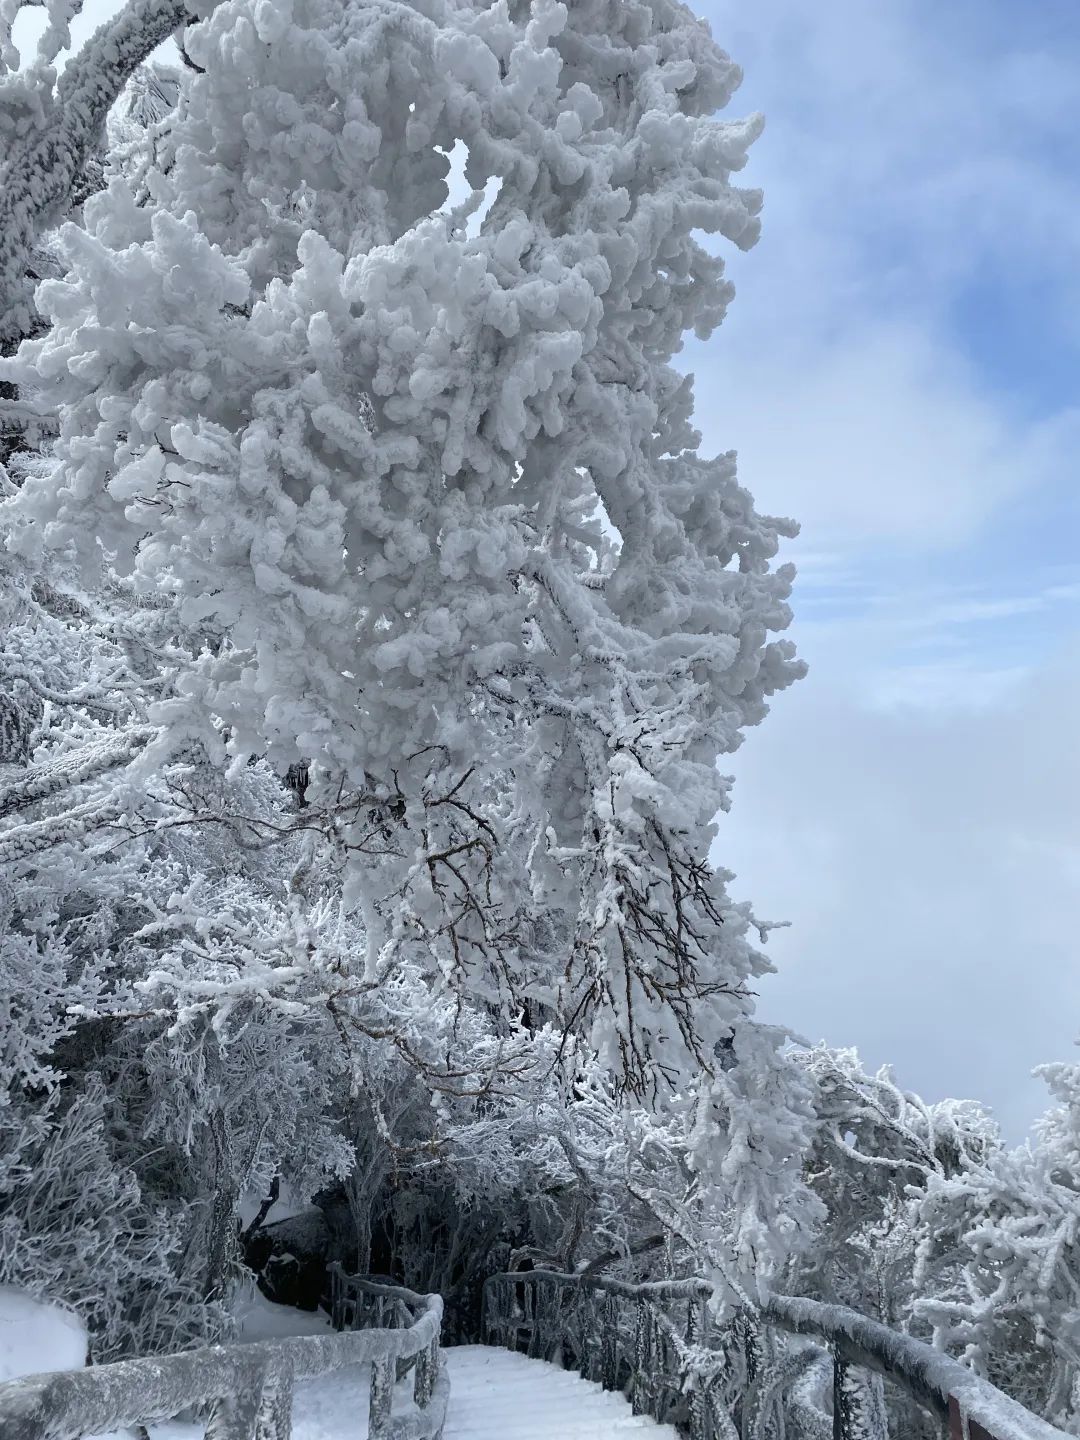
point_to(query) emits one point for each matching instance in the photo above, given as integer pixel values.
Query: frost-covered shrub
(999, 1265)
(74, 1221)
(128, 1127)
(75, 1225)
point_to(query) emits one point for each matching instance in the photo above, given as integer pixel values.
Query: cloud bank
(893, 374)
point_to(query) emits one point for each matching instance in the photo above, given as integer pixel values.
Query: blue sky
(898, 373)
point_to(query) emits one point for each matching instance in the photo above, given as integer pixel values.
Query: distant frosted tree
(935, 1226)
(998, 1275)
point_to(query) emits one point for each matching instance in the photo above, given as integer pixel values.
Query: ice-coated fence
(247, 1388)
(659, 1343)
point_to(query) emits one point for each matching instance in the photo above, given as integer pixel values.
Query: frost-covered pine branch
(50, 128)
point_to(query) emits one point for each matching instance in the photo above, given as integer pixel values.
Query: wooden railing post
(747, 1332)
(235, 1416)
(427, 1370)
(699, 1413)
(381, 1399)
(842, 1426)
(609, 1344)
(695, 1320)
(641, 1387)
(974, 1431)
(275, 1409)
(536, 1311)
(859, 1403)
(587, 1367)
(530, 1312)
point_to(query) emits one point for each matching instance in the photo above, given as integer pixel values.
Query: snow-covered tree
(118, 1097)
(998, 1277)
(876, 1148)
(934, 1226)
(76, 1219)
(398, 550)
(423, 495)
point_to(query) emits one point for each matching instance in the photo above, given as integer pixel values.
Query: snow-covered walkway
(494, 1395)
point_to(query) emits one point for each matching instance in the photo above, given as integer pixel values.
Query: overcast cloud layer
(897, 373)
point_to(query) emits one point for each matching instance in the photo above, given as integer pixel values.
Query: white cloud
(929, 861)
(881, 434)
(911, 806)
(934, 136)
(943, 686)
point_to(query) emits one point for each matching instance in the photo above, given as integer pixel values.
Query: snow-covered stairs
(496, 1395)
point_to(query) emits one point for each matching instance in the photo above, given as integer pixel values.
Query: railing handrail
(239, 1376)
(967, 1402)
(630, 1290)
(368, 1286)
(933, 1377)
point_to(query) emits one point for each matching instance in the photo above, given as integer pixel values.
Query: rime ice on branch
(50, 128)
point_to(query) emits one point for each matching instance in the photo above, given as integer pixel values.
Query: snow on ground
(35, 1336)
(497, 1395)
(494, 1395)
(260, 1319)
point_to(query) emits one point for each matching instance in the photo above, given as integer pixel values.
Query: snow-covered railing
(968, 1404)
(659, 1343)
(248, 1388)
(369, 1308)
(619, 1334)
